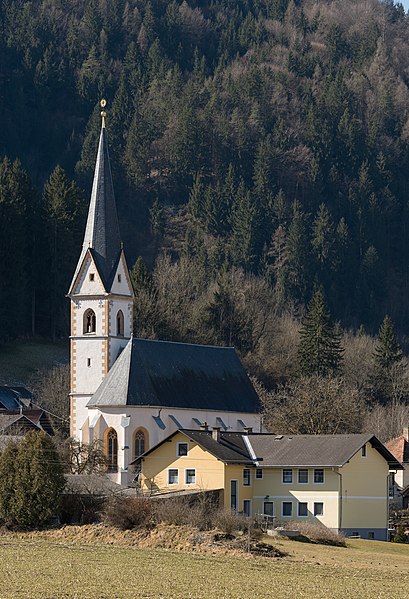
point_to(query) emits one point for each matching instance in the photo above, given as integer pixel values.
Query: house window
(319, 475)
(190, 476)
(120, 324)
(182, 449)
(246, 477)
(140, 444)
(119, 278)
(259, 473)
(371, 535)
(268, 508)
(89, 321)
(111, 449)
(247, 507)
(303, 476)
(287, 476)
(318, 508)
(173, 476)
(91, 276)
(234, 495)
(303, 508)
(287, 508)
(88, 362)
(363, 451)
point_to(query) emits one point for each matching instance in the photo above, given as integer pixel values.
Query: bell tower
(101, 294)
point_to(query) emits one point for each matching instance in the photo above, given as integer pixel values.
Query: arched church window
(140, 444)
(111, 449)
(120, 324)
(90, 321)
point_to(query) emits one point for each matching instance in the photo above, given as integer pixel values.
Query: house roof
(314, 450)
(293, 451)
(102, 229)
(180, 375)
(92, 484)
(230, 448)
(399, 447)
(12, 398)
(8, 420)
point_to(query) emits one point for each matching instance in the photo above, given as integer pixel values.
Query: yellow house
(340, 481)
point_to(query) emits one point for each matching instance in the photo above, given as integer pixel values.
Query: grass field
(19, 360)
(40, 567)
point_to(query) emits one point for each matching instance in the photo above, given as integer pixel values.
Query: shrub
(127, 512)
(317, 533)
(196, 510)
(229, 521)
(400, 536)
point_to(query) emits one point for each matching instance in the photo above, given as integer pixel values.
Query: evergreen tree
(245, 236)
(140, 276)
(65, 214)
(31, 481)
(388, 351)
(17, 247)
(320, 351)
(196, 198)
(299, 271)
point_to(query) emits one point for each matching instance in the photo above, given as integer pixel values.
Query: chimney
(216, 433)
(248, 430)
(204, 426)
(406, 433)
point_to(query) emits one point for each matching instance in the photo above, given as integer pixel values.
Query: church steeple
(102, 230)
(101, 295)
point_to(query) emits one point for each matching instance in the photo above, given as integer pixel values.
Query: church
(130, 393)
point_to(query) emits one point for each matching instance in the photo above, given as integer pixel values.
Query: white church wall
(89, 281)
(120, 283)
(89, 370)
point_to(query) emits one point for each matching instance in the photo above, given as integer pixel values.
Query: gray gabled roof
(230, 448)
(12, 398)
(282, 451)
(313, 450)
(177, 375)
(102, 229)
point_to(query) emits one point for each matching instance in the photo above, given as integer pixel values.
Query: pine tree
(31, 481)
(65, 214)
(388, 351)
(245, 237)
(298, 253)
(320, 351)
(140, 276)
(196, 198)
(17, 202)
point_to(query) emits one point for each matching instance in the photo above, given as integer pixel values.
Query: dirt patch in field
(164, 536)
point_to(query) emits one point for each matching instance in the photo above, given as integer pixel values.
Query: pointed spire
(102, 230)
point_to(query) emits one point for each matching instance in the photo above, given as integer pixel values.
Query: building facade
(338, 481)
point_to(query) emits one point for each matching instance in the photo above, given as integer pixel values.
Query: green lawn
(31, 567)
(20, 359)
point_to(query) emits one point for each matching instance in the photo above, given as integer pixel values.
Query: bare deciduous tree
(314, 405)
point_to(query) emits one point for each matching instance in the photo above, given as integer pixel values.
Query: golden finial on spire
(103, 103)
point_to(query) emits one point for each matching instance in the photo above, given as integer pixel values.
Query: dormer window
(119, 278)
(90, 321)
(92, 276)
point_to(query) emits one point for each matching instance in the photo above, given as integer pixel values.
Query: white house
(131, 393)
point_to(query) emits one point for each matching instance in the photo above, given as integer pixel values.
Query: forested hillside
(276, 132)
